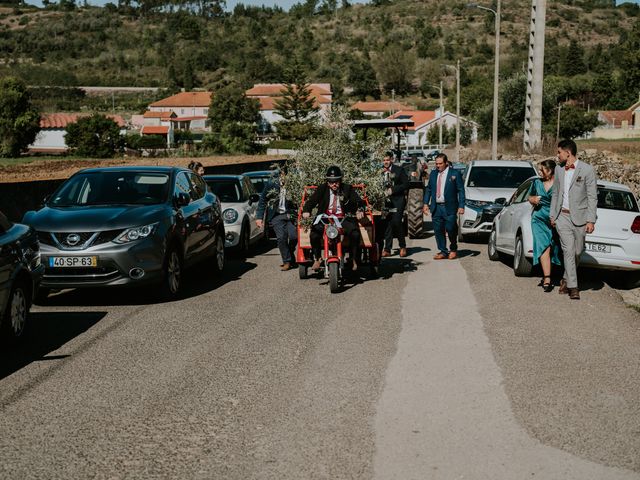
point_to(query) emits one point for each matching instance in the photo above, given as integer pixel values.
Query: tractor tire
(415, 223)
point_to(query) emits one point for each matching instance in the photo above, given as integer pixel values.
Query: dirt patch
(61, 169)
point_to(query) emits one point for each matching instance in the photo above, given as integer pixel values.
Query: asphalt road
(451, 369)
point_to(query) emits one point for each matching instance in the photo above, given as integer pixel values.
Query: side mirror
(182, 199)
(254, 198)
(501, 200)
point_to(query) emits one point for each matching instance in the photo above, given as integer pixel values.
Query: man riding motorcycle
(342, 201)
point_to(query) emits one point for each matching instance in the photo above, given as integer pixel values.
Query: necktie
(334, 204)
(569, 167)
(439, 185)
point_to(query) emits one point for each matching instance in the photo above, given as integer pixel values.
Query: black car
(20, 274)
(128, 226)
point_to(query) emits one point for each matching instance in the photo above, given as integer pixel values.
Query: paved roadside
(494, 380)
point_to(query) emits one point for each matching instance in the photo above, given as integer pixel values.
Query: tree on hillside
(96, 136)
(395, 69)
(19, 120)
(576, 121)
(363, 80)
(234, 118)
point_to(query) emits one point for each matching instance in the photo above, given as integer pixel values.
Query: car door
(187, 215)
(204, 233)
(520, 207)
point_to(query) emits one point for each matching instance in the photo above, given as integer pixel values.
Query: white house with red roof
(425, 120)
(379, 109)
(191, 111)
(618, 124)
(268, 93)
(53, 129)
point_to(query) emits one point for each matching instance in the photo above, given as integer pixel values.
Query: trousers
(445, 225)
(572, 243)
(286, 235)
(393, 228)
(351, 231)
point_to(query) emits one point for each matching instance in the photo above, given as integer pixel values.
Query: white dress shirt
(443, 179)
(568, 178)
(282, 204)
(338, 206)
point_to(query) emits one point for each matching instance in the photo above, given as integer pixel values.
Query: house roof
(185, 99)
(419, 117)
(269, 103)
(61, 120)
(275, 89)
(379, 106)
(188, 119)
(164, 115)
(616, 117)
(154, 130)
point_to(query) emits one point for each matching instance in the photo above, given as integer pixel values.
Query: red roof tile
(616, 117)
(379, 106)
(165, 115)
(188, 119)
(269, 103)
(185, 99)
(419, 117)
(61, 120)
(275, 89)
(154, 130)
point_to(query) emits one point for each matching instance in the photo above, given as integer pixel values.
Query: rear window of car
(259, 183)
(498, 177)
(610, 199)
(112, 188)
(226, 190)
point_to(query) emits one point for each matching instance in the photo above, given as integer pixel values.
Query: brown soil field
(53, 169)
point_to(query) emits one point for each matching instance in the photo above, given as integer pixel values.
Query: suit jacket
(269, 200)
(583, 194)
(400, 181)
(453, 191)
(350, 201)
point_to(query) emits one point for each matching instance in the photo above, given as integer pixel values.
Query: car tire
(171, 274)
(522, 266)
(492, 250)
(219, 258)
(245, 239)
(16, 314)
(415, 219)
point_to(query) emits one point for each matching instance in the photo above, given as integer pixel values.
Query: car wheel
(492, 251)
(219, 254)
(522, 266)
(172, 278)
(17, 312)
(245, 239)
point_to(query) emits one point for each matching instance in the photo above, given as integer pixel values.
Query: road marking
(443, 413)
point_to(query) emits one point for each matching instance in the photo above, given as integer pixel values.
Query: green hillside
(592, 54)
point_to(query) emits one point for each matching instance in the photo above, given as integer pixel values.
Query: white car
(487, 185)
(239, 202)
(614, 244)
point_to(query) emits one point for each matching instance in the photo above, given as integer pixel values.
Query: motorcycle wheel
(303, 271)
(334, 277)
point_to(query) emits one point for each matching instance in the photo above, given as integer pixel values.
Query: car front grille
(77, 240)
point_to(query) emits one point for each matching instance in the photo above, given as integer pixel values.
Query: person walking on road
(444, 198)
(278, 212)
(396, 184)
(573, 211)
(545, 247)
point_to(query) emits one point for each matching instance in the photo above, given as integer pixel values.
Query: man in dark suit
(279, 213)
(444, 198)
(335, 198)
(396, 184)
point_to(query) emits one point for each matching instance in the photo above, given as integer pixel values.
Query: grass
(8, 162)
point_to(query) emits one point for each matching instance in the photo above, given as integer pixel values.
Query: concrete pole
(458, 111)
(496, 83)
(535, 77)
(440, 122)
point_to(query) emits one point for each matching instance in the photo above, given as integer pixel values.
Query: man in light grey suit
(573, 210)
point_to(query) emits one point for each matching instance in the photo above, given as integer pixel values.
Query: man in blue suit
(444, 198)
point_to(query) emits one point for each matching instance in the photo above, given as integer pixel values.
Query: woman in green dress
(546, 249)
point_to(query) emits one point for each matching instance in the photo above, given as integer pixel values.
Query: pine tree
(296, 104)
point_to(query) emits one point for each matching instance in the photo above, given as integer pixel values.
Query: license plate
(73, 262)
(597, 247)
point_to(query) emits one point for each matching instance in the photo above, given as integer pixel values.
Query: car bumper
(232, 235)
(475, 222)
(133, 264)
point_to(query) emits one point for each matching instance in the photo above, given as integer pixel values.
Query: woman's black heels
(547, 286)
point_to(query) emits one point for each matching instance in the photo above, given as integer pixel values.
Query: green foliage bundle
(96, 136)
(359, 160)
(19, 120)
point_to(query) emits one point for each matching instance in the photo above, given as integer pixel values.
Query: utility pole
(440, 122)
(458, 111)
(558, 124)
(535, 77)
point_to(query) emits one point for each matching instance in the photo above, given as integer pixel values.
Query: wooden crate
(304, 237)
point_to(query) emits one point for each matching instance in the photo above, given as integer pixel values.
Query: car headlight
(136, 233)
(230, 215)
(332, 232)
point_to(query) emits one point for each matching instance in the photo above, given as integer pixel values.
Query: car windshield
(499, 177)
(610, 199)
(226, 190)
(112, 188)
